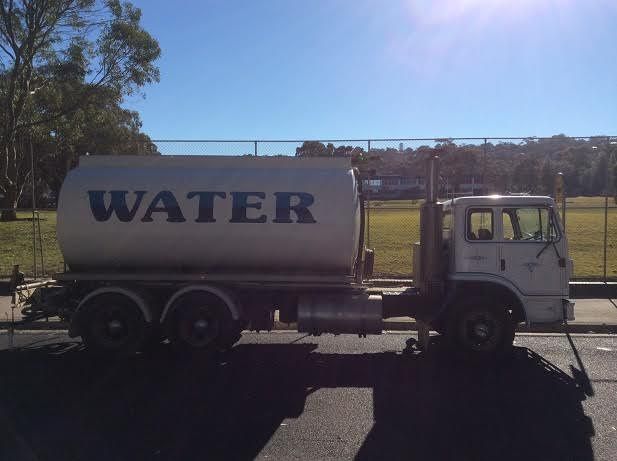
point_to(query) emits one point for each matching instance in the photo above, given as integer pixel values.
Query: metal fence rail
(270, 147)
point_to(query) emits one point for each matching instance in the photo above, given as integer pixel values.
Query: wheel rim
(112, 327)
(480, 330)
(198, 326)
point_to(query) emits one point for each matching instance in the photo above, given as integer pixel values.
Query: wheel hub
(115, 328)
(198, 326)
(481, 330)
(201, 326)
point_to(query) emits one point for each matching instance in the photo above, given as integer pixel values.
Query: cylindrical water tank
(270, 215)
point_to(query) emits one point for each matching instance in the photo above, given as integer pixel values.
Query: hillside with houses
(529, 165)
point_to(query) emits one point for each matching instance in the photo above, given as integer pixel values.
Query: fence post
(255, 148)
(605, 232)
(33, 208)
(484, 188)
(368, 202)
(34, 245)
(607, 191)
(563, 206)
(38, 222)
(560, 197)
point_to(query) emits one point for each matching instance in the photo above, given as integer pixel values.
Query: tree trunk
(8, 204)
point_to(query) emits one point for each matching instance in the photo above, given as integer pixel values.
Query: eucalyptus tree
(53, 46)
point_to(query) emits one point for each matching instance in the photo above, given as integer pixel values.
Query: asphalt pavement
(283, 395)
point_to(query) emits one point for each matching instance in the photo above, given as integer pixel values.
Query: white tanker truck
(197, 249)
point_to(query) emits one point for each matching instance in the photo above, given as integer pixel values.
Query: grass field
(392, 232)
(16, 244)
(394, 226)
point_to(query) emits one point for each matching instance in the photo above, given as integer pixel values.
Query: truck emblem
(531, 266)
(476, 258)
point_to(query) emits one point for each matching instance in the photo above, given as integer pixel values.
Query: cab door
(530, 255)
(478, 251)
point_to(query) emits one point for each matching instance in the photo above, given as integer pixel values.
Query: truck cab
(514, 242)
(504, 261)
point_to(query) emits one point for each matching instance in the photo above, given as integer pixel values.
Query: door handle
(503, 264)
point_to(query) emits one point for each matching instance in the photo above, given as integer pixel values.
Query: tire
(478, 329)
(201, 321)
(113, 325)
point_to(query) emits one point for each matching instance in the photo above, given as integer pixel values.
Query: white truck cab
(512, 247)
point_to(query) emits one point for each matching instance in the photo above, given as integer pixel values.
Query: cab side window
(529, 224)
(480, 224)
(509, 232)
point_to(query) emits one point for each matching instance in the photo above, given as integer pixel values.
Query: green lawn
(393, 231)
(394, 226)
(16, 244)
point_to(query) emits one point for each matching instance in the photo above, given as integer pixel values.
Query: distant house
(394, 186)
(388, 186)
(471, 184)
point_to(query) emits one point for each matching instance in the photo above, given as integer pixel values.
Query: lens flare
(439, 33)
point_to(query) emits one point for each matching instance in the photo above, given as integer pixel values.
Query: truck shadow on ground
(58, 403)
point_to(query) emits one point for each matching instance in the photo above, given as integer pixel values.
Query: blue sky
(289, 69)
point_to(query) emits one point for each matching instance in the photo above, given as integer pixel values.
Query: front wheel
(479, 329)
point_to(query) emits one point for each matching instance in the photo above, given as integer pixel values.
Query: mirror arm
(544, 248)
(550, 242)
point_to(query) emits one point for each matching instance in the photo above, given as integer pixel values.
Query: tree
(343, 151)
(599, 180)
(102, 127)
(314, 149)
(83, 47)
(547, 178)
(525, 177)
(458, 164)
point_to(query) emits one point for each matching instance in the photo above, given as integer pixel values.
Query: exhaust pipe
(430, 266)
(432, 175)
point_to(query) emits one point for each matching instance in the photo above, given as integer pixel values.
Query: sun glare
(443, 11)
(441, 32)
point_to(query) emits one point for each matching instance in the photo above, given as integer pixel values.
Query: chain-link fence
(392, 228)
(30, 242)
(393, 181)
(591, 227)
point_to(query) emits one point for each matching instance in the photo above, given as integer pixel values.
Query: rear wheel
(112, 324)
(201, 322)
(479, 329)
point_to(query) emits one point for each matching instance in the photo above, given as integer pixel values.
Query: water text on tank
(165, 202)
